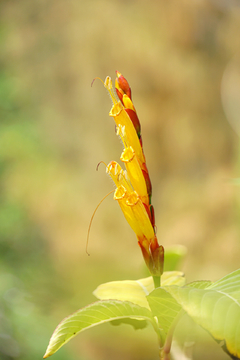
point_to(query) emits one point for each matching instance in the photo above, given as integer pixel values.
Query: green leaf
(92, 315)
(173, 278)
(216, 308)
(136, 290)
(165, 308)
(127, 290)
(136, 324)
(200, 284)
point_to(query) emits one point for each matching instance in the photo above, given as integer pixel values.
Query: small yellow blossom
(135, 173)
(121, 195)
(118, 175)
(131, 138)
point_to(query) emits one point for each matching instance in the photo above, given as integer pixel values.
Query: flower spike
(133, 186)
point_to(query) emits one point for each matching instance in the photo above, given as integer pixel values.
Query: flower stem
(157, 281)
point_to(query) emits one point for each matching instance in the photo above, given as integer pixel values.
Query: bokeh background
(182, 60)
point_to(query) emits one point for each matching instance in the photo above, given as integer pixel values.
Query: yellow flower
(118, 175)
(135, 173)
(130, 136)
(130, 202)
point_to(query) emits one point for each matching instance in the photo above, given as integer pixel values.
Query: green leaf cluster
(214, 306)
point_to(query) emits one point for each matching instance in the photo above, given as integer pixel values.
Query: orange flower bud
(154, 257)
(123, 84)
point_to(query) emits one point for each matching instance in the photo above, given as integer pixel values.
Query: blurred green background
(181, 59)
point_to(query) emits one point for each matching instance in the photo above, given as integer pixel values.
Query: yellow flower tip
(118, 74)
(118, 87)
(120, 193)
(127, 155)
(108, 85)
(132, 199)
(116, 109)
(114, 169)
(118, 175)
(127, 102)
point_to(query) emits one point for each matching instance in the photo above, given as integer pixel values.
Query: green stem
(157, 281)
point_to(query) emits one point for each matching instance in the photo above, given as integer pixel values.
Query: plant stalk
(157, 281)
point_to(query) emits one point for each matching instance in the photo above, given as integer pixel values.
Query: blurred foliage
(173, 257)
(54, 130)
